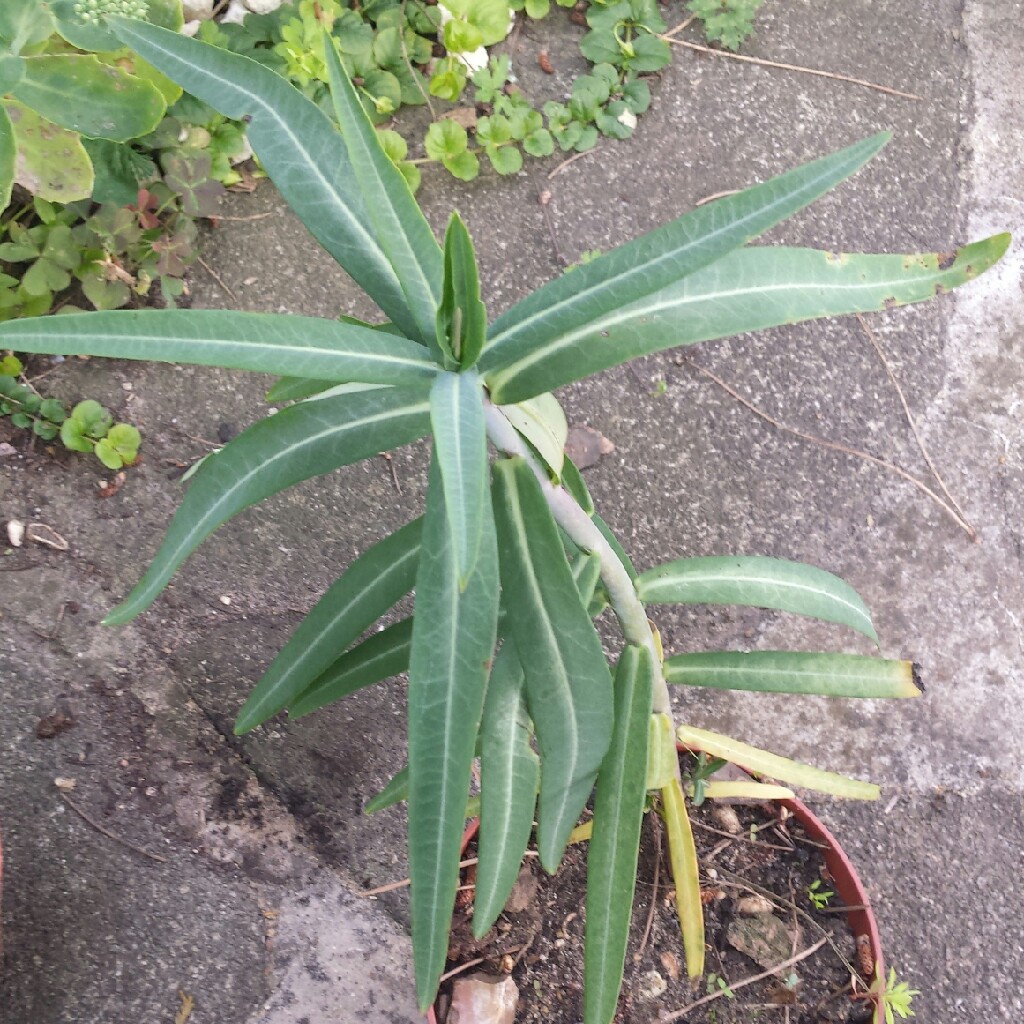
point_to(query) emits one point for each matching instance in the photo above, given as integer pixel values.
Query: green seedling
(890, 998)
(818, 896)
(501, 649)
(729, 22)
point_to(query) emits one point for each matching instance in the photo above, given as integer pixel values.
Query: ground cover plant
(510, 561)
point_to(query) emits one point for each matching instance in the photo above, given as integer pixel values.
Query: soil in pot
(761, 879)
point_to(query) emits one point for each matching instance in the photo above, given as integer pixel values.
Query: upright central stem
(584, 533)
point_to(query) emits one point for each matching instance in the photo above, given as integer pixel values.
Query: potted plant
(510, 561)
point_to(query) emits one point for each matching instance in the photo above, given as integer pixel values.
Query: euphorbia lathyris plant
(510, 561)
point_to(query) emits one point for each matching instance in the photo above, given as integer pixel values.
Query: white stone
(263, 6)
(235, 14)
(197, 10)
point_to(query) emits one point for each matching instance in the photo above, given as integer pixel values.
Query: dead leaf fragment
(40, 533)
(766, 939)
(65, 784)
(465, 116)
(108, 490)
(671, 964)
(185, 1010)
(585, 446)
(50, 726)
(524, 891)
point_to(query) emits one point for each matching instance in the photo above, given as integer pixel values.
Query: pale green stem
(581, 529)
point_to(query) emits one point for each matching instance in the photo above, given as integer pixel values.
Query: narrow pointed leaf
(578, 302)
(460, 440)
(615, 843)
(398, 222)
(264, 342)
(568, 685)
(381, 656)
(452, 643)
(297, 443)
(613, 541)
(361, 595)
(461, 324)
(586, 572)
(781, 768)
(746, 791)
(396, 790)
(297, 144)
(572, 481)
(509, 773)
(746, 290)
(760, 583)
(829, 675)
(294, 389)
(686, 875)
(542, 422)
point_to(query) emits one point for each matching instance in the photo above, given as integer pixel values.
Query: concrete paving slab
(693, 473)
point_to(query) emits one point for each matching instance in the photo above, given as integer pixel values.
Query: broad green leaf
(51, 162)
(542, 422)
(374, 582)
(572, 481)
(381, 656)
(297, 144)
(757, 582)
(461, 322)
(580, 302)
(453, 636)
(24, 23)
(294, 389)
(395, 792)
(615, 843)
(264, 342)
(686, 875)
(77, 92)
(401, 229)
(746, 290)
(12, 71)
(762, 762)
(460, 443)
(830, 675)
(568, 685)
(509, 774)
(586, 573)
(300, 442)
(8, 152)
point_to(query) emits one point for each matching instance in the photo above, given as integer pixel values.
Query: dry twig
(570, 160)
(220, 280)
(677, 1014)
(793, 67)
(654, 890)
(837, 447)
(110, 835)
(391, 886)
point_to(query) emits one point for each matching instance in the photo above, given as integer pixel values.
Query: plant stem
(581, 529)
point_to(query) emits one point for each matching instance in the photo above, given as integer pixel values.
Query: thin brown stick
(837, 447)
(386, 456)
(110, 835)
(571, 160)
(717, 195)
(562, 261)
(910, 419)
(746, 981)
(740, 837)
(679, 28)
(637, 956)
(246, 219)
(391, 886)
(462, 967)
(793, 67)
(220, 280)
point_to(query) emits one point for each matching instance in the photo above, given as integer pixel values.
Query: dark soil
(542, 943)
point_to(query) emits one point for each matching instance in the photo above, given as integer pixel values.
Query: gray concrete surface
(252, 912)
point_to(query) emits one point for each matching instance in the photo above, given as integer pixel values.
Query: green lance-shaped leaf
(613, 542)
(782, 768)
(80, 93)
(615, 843)
(461, 323)
(509, 773)
(294, 389)
(568, 685)
(452, 644)
(460, 442)
(8, 154)
(300, 442)
(572, 481)
(396, 791)
(829, 675)
(297, 144)
(399, 224)
(586, 573)
(578, 303)
(381, 656)
(746, 290)
(757, 582)
(542, 422)
(263, 342)
(365, 591)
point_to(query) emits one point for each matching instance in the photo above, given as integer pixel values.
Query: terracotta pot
(847, 882)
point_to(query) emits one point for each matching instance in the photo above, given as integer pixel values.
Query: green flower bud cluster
(95, 10)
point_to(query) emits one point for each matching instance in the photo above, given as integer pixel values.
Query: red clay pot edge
(844, 874)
